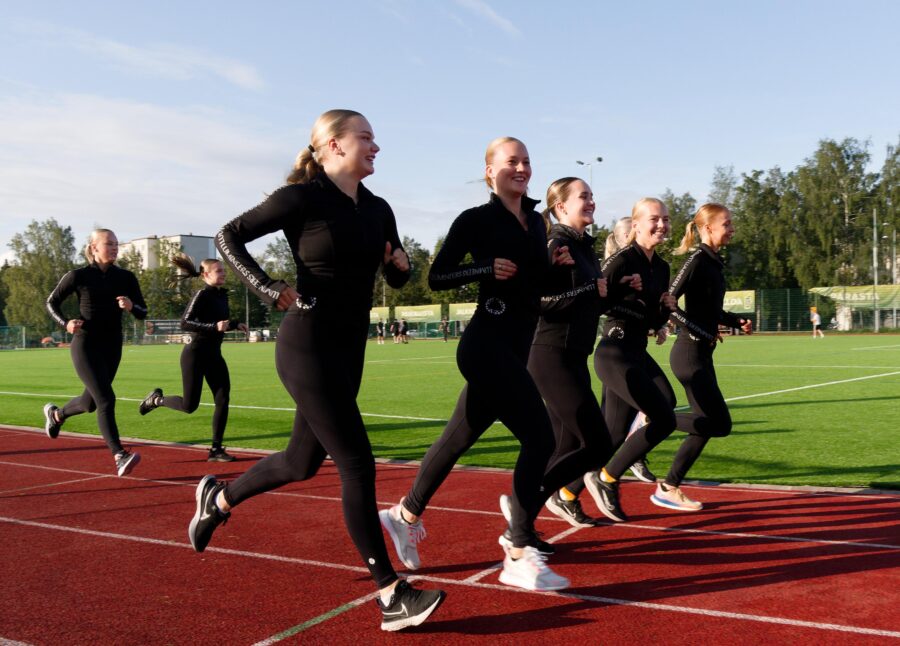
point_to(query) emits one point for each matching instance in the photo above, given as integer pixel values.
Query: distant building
(197, 247)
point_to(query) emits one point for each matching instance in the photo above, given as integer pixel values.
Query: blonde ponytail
(687, 242)
(705, 214)
(330, 125)
(88, 252)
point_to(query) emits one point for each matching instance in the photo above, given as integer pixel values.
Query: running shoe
(151, 401)
(606, 495)
(51, 426)
(642, 472)
(408, 606)
(542, 546)
(126, 462)
(219, 455)
(406, 535)
(674, 498)
(531, 572)
(569, 510)
(207, 517)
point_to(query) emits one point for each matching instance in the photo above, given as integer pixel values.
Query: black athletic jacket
(97, 291)
(488, 232)
(635, 313)
(702, 281)
(338, 245)
(571, 313)
(202, 315)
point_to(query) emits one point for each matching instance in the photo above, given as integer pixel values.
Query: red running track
(88, 558)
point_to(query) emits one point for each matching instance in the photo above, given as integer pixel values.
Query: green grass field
(824, 412)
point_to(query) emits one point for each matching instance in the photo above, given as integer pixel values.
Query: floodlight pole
(590, 166)
(875, 266)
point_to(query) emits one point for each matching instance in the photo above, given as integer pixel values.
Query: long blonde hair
(489, 154)
(329, 125)
(557, 193)
(88, 252)
(619, 236)
(637, 209)
(705, 215)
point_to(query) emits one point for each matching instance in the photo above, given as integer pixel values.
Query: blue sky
(173, 117)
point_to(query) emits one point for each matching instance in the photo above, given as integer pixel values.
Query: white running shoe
(505, 507)
(405, 535)
(530, 572)
(674, 498)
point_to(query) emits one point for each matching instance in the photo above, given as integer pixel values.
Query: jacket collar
(325, 182)
(528, 204)
(712, 254)
(584, 237)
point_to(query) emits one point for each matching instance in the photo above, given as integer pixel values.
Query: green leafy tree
(44, 252)
(681, 211)
(723, 185)
(416, 291)
(4, 292)
(279, 260)
(828, 204)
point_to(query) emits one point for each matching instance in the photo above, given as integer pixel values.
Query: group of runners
(524, 354)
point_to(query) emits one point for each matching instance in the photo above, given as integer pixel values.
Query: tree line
(812, 226)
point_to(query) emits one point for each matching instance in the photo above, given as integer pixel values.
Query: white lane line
(796, 367)
(877, 347)
(472, 584)
(822, 385)
(385, 504)
(449, 356)
(49, 484)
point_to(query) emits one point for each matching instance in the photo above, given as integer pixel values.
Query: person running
(379, 332)
(507, 241)
(206, 320)
(562, 343)
(104, 290)
(816, 319)
(340, 234)
(615, 241)
(632, 380)
(702, 282)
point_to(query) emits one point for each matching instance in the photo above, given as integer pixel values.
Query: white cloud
(137, 168)
(484, 10)
(162, 59)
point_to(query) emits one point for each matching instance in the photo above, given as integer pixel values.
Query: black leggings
(692, 364)
(583, 442)
(492, 356)
(203, 359)
(632, 382)
(319, 357)
(96, 356)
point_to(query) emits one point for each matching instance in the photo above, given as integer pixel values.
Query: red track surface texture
(88, 558)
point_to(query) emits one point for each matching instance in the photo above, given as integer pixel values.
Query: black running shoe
(219, 455)
(51, 426)
(408, 606)
(126, 462)
(207, 517)
(642, 471)
(569, 510)
(606, 495)
(151, 401)
(545, 548)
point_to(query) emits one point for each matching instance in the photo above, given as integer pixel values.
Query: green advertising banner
(740, 302)
(462, 311)
(377, 313)
(862, 296)
(418, 313)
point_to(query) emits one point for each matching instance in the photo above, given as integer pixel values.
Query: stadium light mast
(875, 267)
(590, 165)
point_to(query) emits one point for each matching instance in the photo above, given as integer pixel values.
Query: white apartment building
(197, 247)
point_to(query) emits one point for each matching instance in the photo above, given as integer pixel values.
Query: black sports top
(97, 291)
(338, 245)
(203, 313)
(571, 313)
(635, 312)
(488, 232)
(702, 281)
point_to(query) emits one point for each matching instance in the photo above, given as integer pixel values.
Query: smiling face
(650, 223)
(509, 169)
(577, 210)
(718, 231)
(354, 151)
(104, 247)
